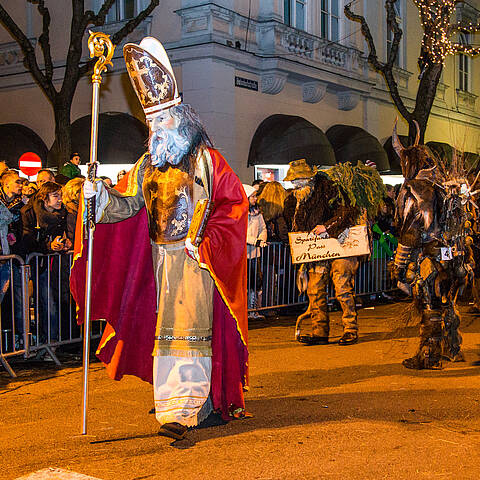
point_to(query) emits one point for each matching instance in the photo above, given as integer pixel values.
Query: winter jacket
(71, 221)
(15, 226)
(277, 230)
(70, 170)
(41, 227)
(256, 232)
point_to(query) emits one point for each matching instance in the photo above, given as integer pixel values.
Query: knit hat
(249, 190)
(300, 169)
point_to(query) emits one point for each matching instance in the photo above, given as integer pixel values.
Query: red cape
(124, 294)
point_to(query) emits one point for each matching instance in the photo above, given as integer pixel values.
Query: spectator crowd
(38, 217)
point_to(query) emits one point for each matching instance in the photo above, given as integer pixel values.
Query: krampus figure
(433, 258)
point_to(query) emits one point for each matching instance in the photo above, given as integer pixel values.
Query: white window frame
(117, 10)
(464, 65)
(292, 19)
(401, 20)
(328, 19)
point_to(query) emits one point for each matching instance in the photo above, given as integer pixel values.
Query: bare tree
(437, 44)
(61, 100)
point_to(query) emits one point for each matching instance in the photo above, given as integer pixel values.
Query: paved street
(319, 412)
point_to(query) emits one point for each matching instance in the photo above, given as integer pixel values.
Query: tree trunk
(62, 147)
(426, 92)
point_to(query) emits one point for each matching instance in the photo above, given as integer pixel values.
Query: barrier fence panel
(52, 308)
(14, 338)
(272, 278)
(38, 313)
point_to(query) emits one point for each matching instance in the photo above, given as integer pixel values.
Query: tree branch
(466, 49)
(386, 69)
(74, 54)
(44, 38)
(393, 25)
(123, 32)
(461, 27)
(134, 22)
(372, 56)
(87, 66)
(100, 17)
(30, 59)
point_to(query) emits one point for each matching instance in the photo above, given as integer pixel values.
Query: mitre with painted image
(151, 75)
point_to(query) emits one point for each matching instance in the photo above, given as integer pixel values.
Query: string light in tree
(438, 30)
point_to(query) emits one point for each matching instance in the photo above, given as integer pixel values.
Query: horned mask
(413, 158)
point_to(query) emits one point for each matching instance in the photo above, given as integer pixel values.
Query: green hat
(300, 169)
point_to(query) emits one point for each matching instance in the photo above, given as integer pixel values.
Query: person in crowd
(475, 283)
(29, 190)
(45, 231)
(44, 221)
(43, 176)
(256, 239)
(71, 197)
(390, 191)
(383, 230)
(191, 309)
(270, 200)
(5, 219)
(271, 203)
(383, 247)
(3, 168)
(256, 183)
(107, 181)
(11, 198)
(71, 168)
(314, 206)
(121, 174)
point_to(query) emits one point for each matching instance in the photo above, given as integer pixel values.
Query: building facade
(240, 63)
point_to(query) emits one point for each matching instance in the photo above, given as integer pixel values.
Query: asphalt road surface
(319, 412)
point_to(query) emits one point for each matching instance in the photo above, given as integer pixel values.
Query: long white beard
(167, 146)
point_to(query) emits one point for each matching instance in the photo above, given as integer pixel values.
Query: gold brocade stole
(169, 202)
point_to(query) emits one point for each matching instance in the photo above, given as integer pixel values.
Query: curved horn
(417, 138)
(396, 144)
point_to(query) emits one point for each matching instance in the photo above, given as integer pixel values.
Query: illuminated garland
(435, 19)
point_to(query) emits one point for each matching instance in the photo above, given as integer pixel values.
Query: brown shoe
(173, 430)
(348, 338)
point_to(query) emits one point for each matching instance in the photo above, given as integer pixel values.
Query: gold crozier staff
(97, 44)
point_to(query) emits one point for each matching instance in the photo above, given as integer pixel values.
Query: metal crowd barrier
(272, 277)
(14, 338)
(38, 311)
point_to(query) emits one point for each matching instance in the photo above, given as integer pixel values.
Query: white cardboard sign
(306, 247)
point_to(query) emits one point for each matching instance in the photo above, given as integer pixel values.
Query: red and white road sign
(30, 163)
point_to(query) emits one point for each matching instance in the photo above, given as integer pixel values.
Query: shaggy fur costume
(320, 207)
